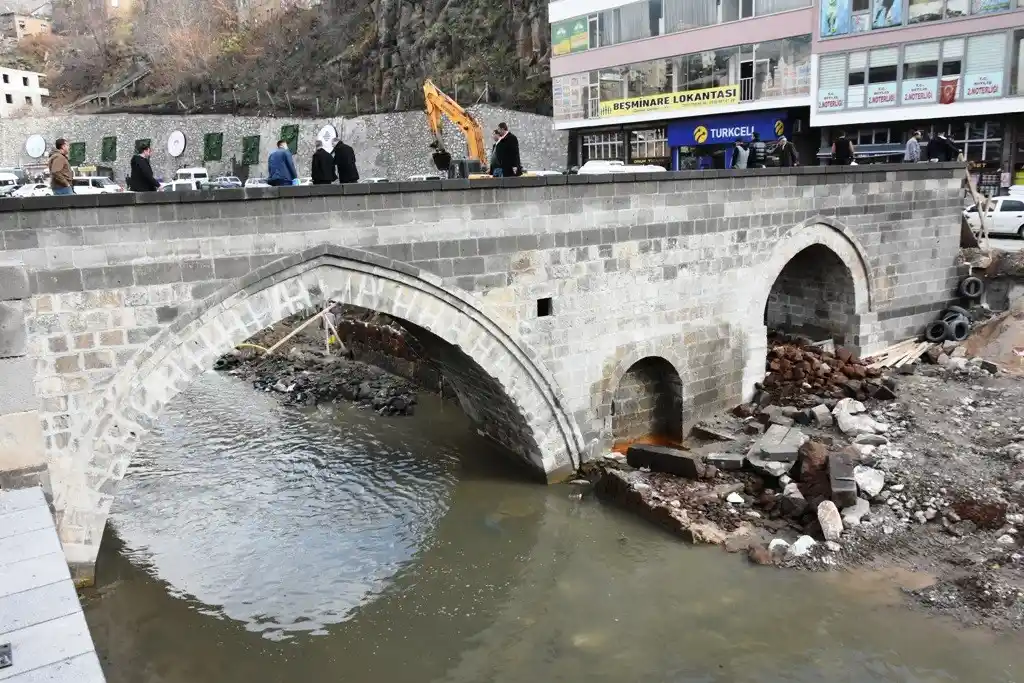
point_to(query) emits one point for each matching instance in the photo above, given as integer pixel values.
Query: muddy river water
(255, 543)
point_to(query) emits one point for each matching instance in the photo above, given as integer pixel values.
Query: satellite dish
(35, 146)
(327, 136)
(176, 143)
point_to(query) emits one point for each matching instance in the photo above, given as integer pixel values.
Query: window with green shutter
(251, 150)
(213, 146)
(109, 152)
(76, 153)
(290, 134)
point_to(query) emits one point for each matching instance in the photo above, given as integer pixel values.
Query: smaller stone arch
(647, 403)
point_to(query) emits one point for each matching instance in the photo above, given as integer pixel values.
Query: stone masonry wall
(679, 267)
(813, 291)
(393, 145)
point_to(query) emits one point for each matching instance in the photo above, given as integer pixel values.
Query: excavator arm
(437, 105)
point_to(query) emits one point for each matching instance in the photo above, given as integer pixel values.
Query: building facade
(675, 82)
(20, 92)
(13, 25)
(884, 68)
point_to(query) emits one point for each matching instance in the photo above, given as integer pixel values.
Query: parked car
(375, 180)
(33, 190)
(1005, 216)
(181, 186)
(198, 174)
(95, 185)
(426, 176)
(8, 183)
(228, 181)
(257, 182)
(19, 174)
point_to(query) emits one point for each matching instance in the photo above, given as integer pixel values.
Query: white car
(200, 174)
(227, 181)
(375, 180)
(1005, 216)
(257, 182)
(33, 190)
(181, 186)
(601, 167)
(95, 185)
(420, 177)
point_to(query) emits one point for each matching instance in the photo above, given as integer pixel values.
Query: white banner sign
(881, 94)
(831, 99)
(980, 86)
(924, 91)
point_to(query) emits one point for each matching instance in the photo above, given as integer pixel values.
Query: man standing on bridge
(322, 170)
(758, 152)
(141, 179)
(281, 166)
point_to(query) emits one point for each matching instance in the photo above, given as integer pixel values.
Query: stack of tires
(955, 322)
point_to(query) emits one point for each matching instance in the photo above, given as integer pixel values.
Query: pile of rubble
(796, 369)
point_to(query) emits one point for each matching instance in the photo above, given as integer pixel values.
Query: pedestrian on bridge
(322, 170)
(281, 166)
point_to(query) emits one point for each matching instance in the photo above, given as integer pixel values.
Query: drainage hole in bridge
(544, 307)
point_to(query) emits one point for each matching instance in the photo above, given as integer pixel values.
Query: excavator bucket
(442, 160)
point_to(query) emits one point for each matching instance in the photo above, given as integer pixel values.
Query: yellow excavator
(437, 105)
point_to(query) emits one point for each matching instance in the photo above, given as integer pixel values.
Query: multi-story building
(20, 92)
(14, 25)
(884, 68)
(675, 82)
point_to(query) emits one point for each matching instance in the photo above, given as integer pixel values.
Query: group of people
(326, 167)
(937, 148)
(755, 153)
(505, 161)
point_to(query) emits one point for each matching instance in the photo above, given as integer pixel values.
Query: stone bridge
(568, 313)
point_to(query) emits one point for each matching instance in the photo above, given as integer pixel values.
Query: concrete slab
(23, 521)
(40, 614)
(29, 574)
(781, 443)
(27, 545)
(38, 605)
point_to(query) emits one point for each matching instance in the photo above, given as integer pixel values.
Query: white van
(199, 174)
(601, 167)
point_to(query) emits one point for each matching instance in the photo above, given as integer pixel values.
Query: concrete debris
(793, 502)
(869, 480)
(871, 440)
(726, 461)
(734, 499)
(830, 520)
(781, 444)
(853, 515)
(801, 547)
(852, 418)
(841, 480)
(822, 416)
(833, 547)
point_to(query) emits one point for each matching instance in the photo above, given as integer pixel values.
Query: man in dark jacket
(506, 152)
(345, 161)
(758, 152)
(322, 171)
(788, 156)
(141, 179)
(941, 148)
(281, 167)
(843, 151)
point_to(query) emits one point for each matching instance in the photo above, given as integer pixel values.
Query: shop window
(648, 146)
(604, 146)
(985, 60)
(883, 73)
(921, 61)
(856, 78)
(873, 136)
(858, 64)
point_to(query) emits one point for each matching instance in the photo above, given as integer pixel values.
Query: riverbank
(923, 471)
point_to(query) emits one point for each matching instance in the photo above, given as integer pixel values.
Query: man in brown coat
(60, 169)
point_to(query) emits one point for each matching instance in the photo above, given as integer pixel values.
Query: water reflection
(256, 543)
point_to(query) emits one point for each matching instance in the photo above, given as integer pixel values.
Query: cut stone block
(781, 444)
(665, 459)
(726, 461)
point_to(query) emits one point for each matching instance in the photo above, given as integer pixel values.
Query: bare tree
(185, 37)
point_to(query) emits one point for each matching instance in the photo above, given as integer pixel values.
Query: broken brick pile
(800, 373)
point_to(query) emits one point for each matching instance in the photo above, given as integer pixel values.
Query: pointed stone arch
(506, 387)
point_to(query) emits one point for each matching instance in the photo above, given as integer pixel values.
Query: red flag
(947, 91)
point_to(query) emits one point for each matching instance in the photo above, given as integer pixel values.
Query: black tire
(1020, 233)
(955, 312)
(957, 330)
(971, 287)
(936, 331)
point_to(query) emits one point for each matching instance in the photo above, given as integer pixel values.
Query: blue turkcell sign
(720, 130)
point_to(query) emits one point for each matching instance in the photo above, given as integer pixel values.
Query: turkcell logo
(702, 134)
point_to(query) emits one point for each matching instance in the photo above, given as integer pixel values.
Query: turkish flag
(947, 91)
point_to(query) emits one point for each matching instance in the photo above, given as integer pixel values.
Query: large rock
(841, 480)
(781, 444)
(869, 480)
(822, 416)
(853, 515)
(665, 459)
(793, 502)
(852, 419)
(830, 520)
(771, 468)
(726, 461)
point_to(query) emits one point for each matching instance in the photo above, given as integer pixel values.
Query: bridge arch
(502, 385)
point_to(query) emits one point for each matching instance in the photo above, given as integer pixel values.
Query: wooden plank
(921, 350)
(889, 350)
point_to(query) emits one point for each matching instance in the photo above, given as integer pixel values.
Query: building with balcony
(675, 82)
(20, 92)
(884, 68)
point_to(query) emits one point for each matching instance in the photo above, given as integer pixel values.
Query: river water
(255, 543)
